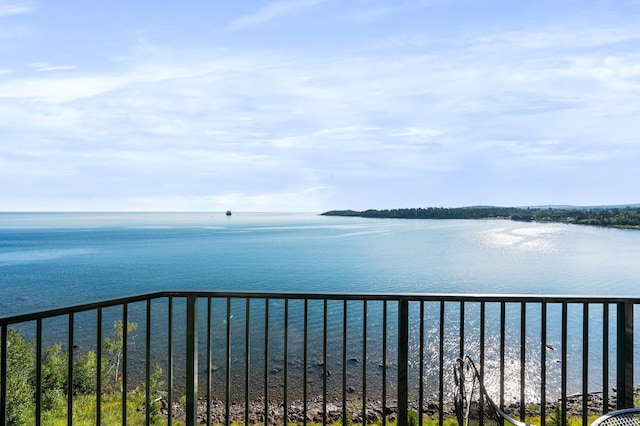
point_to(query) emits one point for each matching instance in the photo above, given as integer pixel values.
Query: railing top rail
(431, 297)
(427, 297)
(31, 316)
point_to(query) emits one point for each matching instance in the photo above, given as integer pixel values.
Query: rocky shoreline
(374, 411)
(295, 412)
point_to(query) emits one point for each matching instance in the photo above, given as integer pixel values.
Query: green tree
(155, 388)
(20, 386)
(84, 374)
(54, 376)
(113, 347)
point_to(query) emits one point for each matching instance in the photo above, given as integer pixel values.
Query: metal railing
(349, 358)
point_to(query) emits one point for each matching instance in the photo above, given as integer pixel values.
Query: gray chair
(472, 403)
(623, 417)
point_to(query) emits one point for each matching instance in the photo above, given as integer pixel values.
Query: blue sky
(313, 105)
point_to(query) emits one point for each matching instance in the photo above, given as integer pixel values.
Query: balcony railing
(349, 358)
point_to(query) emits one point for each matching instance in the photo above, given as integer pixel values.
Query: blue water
(49, 260)
(58, 259)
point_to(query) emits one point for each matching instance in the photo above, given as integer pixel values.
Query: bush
(84, 374)
(54, 376)
(20, 383)
(412, 418)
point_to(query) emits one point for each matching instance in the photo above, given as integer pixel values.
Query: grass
(84, 412)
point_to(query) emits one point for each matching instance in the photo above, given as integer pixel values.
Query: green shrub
(20, 383)
(412, 418)
(84, 374)
(54, 376)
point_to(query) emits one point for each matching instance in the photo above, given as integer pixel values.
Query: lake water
(58, 259)
(49, 260)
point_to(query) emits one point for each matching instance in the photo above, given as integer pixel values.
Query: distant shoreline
(605, 217)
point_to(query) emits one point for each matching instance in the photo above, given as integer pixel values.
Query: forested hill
(614, 217)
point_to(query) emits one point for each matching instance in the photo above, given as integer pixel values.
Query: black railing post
(605, 357)
(523, 358)
(147, 365)
(543, 364)
(99, 366)
(364, 361)
(70, 372)
(38, 395)
(625, 355)
(563, 364)
(227, 381)
(123, 361)
(170, 359)
(585, 363)
(192, 361)
(403, 361)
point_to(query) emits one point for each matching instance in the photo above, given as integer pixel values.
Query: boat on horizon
(228, 212)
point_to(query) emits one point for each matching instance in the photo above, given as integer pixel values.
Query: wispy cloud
(272, 11)
(561, 38)
(9, 8)
(306, 199)
(413, 132)
(56, 68)
(56, 90)
(369, 15)
(348, 130)
(45, 67)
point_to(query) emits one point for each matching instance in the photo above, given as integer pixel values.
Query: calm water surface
(50, 260)
(57, 259)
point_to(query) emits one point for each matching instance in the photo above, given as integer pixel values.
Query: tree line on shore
(613, 217)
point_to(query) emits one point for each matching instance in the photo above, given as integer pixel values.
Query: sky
(315, 105)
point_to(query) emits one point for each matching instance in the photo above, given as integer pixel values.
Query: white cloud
(405, 40)
(61, 89)
(306, 199)
(57, 68)
(272, 11)
(414, 132)
(556, 38)
(348, 130)
(8, 8)
(369, 15)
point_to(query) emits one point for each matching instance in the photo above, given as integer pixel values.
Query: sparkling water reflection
(51, 260)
